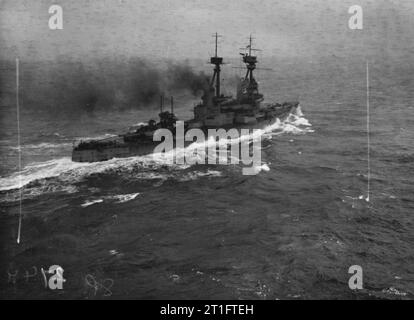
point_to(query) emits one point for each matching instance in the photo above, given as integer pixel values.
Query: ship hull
(131, 149)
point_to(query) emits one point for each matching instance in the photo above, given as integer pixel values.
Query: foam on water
(119, 198)
(91, 202)
(36, 171)
(42, 146)
(123, 197)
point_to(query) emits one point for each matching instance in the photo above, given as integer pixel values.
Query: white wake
(69, 171)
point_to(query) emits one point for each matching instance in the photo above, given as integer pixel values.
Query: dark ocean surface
(141, 228)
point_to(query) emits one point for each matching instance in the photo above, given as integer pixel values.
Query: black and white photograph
(188, 150)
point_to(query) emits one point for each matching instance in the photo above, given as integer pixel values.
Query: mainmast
(248, 89)
(217, 61)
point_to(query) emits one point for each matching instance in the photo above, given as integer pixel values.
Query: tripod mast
(250, 61)
(217, 61)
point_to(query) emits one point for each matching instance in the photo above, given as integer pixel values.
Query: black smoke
(183, 77)
(71, 86)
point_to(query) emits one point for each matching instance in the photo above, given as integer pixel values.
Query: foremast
(217, 62)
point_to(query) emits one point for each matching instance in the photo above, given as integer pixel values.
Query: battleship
(214, 111)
